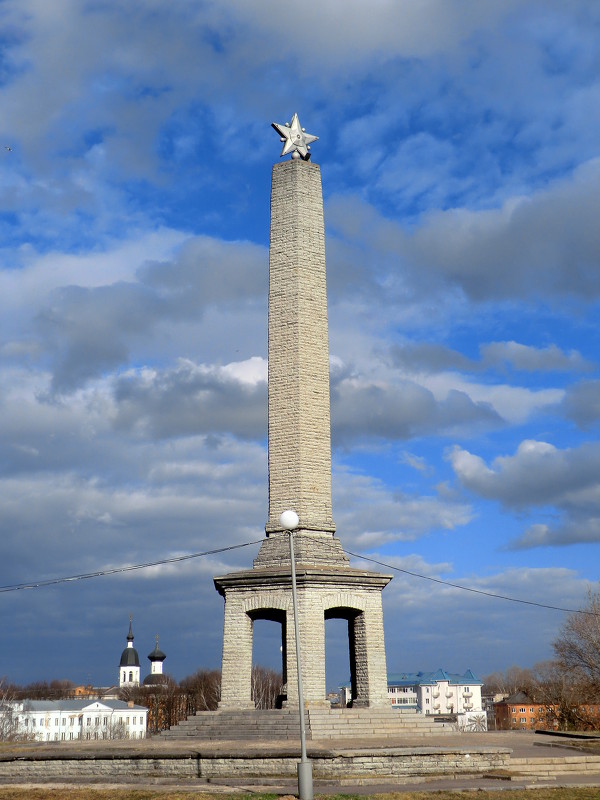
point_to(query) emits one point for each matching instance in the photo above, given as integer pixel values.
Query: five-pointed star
(294, 138)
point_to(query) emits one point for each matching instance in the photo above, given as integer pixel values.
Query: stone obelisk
(299, 418)
(300, 470)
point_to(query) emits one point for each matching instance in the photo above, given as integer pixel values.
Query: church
(129, 666)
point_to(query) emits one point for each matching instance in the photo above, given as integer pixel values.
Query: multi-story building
(438, 693)
(520, 712)
(64, 720)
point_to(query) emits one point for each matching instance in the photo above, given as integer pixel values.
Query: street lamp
(289, 521)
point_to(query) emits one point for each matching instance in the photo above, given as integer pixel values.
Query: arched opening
(349, 618)
(268, 657)
(337, 655)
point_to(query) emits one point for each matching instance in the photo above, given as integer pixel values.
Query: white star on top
(295, 139)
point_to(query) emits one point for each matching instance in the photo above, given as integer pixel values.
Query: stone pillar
(236, 671)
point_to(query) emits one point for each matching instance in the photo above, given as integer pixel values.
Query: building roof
(78, 705)
(156, 654)
(431, 678)
(129, 658)
(156, 679)
(518, 698)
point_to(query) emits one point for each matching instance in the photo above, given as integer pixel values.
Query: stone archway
(351, 616)
(278, 616)
(352, 594)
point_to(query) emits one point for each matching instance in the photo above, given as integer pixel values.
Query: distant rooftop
(431, 678)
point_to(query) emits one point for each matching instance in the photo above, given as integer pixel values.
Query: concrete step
(283, 724)
(548, 767)
(232, 725)
(372, 722)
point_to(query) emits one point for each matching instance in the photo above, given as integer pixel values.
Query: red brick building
(519, 712)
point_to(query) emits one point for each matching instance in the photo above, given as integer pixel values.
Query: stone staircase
(370, 723)
(551, 768)
(321, 724)
(238, 725)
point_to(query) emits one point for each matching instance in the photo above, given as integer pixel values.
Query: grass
(59, 793)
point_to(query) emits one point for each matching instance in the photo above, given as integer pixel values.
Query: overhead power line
(470, 589)
(116, 570)
(175, 560)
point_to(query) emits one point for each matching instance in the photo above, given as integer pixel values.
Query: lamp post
(289, 521)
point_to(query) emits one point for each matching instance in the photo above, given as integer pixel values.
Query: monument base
(339, 592)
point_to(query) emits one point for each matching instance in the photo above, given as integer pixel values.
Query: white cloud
(540, 476)
(582, 403)
(441, 613)
(368, 513)
(528, 358)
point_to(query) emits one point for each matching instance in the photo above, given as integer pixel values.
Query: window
(97, 721)
(72, 722)
(56, 721)
(514, 710)
(531, 711)
(105, 721)
(131, 676)
(127, 720)
(521, 710)
(522, 720)
(64, 722)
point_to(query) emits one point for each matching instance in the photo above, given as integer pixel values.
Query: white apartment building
(442, 693)
(65, 720)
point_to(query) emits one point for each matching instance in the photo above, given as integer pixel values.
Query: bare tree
(514, 679)
(266, 687)
(577, 647)
(42, 690)
(166, 702)
(202, 690)
(9, 726)
(565, 696)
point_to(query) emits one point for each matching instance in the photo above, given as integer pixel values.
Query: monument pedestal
(323, 593)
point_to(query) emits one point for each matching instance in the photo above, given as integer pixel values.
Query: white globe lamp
(289, 520)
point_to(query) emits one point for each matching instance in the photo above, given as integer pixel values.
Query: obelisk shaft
(299, 421)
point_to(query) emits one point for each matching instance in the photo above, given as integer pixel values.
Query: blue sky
(458, 143)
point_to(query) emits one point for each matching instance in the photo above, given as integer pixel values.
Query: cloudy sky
(458, 142)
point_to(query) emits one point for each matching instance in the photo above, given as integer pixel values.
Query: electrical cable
(116, 570)
(470, 589)
(133, 567)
